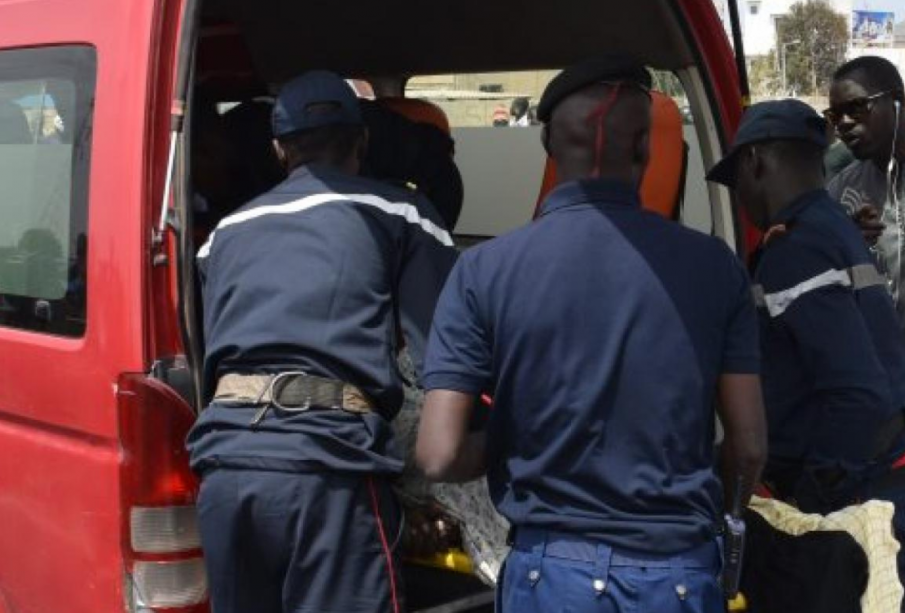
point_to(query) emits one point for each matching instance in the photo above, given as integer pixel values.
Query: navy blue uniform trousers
(279, 542)
(549, 572)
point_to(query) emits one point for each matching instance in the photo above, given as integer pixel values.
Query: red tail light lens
(165, 571)
(154, 421)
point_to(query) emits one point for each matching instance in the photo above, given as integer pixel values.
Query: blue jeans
(550, 572)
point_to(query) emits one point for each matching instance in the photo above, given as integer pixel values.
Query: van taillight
(164, 529)
(162, 548)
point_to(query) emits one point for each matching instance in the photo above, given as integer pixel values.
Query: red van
(99, 332)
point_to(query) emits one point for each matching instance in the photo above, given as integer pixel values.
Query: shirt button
(599, 585)
(534, 576)
(682, 591)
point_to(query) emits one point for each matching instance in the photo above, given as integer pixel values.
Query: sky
(891, 6)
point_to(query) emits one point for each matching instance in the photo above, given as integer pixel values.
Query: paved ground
(429, 589)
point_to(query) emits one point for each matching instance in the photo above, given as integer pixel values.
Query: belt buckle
(273, 390)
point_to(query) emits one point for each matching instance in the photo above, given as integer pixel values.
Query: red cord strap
(599, 115)
(391, 568)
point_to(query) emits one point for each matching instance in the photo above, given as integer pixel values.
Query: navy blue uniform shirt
(600, 330)
(318, 275)
(834, 356)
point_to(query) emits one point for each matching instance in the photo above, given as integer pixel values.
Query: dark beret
(588, 72)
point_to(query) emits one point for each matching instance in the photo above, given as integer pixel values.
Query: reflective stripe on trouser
(549, 572)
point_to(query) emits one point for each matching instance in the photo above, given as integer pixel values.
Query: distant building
(871, 22)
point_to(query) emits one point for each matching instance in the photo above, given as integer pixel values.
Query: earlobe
(281, 153)
(640, 158)
(363, 146)
(757, 164)
(642, 149)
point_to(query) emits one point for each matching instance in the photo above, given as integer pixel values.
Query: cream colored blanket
(870, 524)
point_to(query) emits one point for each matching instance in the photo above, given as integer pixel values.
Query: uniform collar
(318, 170)
(586, 191)
(798, 205)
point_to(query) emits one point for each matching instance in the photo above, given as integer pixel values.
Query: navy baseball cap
(772, 120)
(610, 68)
(315, 99)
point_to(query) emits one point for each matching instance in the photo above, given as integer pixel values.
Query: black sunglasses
(856, 108)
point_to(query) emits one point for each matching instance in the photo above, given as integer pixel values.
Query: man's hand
(429, 531)
(868, 220)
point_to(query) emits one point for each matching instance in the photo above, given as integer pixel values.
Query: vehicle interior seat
(663, 184)
(417, 110)
(410, 143)
(247, 126)
(13, 124)
(233, 160)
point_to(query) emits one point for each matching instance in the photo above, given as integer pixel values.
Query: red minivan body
(96, 499)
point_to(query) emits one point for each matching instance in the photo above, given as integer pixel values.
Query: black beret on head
(588, 72)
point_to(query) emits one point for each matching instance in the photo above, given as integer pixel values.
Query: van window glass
(46, 103)
(498, 148)
(499, 152)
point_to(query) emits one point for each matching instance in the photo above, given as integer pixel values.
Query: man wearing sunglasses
(866, 110)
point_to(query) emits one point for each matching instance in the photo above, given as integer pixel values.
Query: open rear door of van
(97, 508)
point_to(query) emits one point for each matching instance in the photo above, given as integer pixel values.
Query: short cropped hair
(879, 73)
(794, 153)
(331, 143)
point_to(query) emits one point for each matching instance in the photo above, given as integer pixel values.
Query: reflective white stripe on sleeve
(866, 275)
(857, 277)
(402, 209)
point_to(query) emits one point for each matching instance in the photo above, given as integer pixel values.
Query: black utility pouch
(733, 554)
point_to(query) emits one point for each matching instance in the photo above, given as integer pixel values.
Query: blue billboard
(873, 28)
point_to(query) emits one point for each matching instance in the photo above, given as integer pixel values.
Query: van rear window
(499, 153)
(46, 102)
